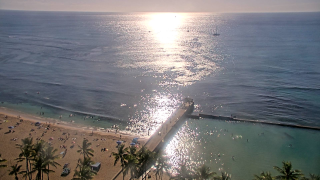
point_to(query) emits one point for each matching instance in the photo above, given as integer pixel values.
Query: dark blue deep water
(262, 66)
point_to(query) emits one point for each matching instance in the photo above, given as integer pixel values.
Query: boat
(216, 32)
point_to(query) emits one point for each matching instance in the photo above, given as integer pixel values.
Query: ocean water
(133, 69)
(243, 149)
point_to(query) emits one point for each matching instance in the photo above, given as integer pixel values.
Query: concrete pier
(166, 130)
(158, 139)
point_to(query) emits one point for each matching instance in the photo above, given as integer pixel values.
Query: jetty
(167, 129)
(231, 118)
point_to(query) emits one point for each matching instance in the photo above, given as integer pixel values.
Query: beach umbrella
(135, 140)
(132, 144)
(11, 127)
(51, 138)
(119, 142)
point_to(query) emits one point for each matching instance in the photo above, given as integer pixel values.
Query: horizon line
(161, 11)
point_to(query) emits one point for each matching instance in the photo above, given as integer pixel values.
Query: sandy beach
(57, 130)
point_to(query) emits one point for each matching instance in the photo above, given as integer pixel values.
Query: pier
(167, 129)
(158, 139)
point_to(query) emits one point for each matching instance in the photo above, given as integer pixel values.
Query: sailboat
(216, 32)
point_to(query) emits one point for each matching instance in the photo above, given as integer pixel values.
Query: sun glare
(165, 26)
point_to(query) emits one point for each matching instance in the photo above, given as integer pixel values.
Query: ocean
(134, 69)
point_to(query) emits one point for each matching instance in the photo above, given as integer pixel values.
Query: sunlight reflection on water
(242, 149)
(181, 149)
(157, 108)
(165, 48)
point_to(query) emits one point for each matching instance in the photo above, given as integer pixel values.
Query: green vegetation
(161, 165)
(263, 176)
(134, 161)
(83, 170)
(1, 161)
(85, 149)
(121, 155)
(137, 163)
(51, 157)
(145, 158)
(312, 177)
(38, 158)
(286, 172)
(131, 162)
(224, 176)
(204, 172)
(15, 170)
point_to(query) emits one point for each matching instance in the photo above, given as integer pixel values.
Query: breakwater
(225, 118)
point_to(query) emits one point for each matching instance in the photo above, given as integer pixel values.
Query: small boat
(216, 32)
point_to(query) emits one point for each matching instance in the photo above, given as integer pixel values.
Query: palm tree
(38, 148)
(183, 173)
(2, 160)
(160, 165)
(26, 154)
(50, 157)
(203, 172)
(224, 176)
(85, 171)
(15, 170)
(145, 158)
(263, 176)
(38, 158)
(121, 155)
(40, 167)
(85, 149)
(287, 173)
(132, 150)
(86, 162)
(312, 177)
(132, 162)
(131, 165)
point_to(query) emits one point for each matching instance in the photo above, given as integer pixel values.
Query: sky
(163, 5)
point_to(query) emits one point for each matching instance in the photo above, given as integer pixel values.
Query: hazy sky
(164, 5)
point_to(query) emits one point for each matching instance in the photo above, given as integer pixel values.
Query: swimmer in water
(232, 157)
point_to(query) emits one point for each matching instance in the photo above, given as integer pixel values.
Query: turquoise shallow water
(255, 147)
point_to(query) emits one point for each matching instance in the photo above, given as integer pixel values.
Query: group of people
(104, 149)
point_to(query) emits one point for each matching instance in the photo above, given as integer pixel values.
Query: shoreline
(68, 125)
